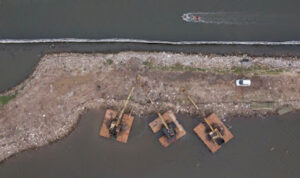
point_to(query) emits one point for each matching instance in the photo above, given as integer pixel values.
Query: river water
(261, 148)
(271, 20)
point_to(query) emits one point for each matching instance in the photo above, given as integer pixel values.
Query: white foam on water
(125, 40)
(227, 18)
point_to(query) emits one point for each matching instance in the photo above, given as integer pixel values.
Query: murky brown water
(261, 148)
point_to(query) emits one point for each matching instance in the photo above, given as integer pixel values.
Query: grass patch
(256, 70)
(148, 64)
(5, 99)
(262, 106)
(175, 67)
(284, 109)
(109, 62)
(220, 71)
(180, 67)
(22, 88)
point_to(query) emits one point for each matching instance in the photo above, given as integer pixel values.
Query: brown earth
(49, 103)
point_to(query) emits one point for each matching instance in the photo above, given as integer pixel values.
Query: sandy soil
(63, 86)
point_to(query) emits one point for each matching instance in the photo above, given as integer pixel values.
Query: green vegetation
(175, 67)
(109, 62)
(22, 88)
(256, 70)
(6, 99)
(285, 109)
(262, 105)
(148, 64)
(180, 67)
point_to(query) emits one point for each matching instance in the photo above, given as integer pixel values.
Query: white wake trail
(139, 41)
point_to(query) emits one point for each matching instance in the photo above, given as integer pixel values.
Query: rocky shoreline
(48, 104)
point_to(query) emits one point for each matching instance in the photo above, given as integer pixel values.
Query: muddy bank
(48, 104)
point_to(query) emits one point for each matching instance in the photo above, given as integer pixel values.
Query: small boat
(189, 17)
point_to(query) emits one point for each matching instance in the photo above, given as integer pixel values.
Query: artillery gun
(214, 133)
(168, 129)
(115, 124)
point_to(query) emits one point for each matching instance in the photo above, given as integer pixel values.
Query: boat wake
(229, 18)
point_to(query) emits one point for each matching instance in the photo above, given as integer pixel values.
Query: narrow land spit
(47, 105)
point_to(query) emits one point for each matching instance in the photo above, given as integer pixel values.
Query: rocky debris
(63, 86)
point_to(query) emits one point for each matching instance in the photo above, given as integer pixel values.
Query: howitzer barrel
(124, 107)
(138, 80)
(195, 105)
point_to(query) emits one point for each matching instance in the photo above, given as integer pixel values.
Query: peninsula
(47, 105)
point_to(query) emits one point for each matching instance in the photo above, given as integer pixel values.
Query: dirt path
(48, 104)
